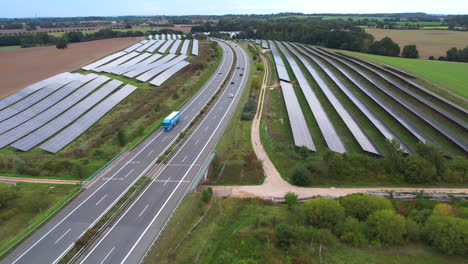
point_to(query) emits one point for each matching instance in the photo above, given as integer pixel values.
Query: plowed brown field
(22, 67)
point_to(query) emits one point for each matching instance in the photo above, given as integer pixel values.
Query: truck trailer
(171, 120)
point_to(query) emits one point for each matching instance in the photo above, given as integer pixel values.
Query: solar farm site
(343, 92)
(52, 113)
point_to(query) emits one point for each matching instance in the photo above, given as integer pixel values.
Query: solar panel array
(128, 66)
(299, 127)
(166, 46)
(133, 47)
(280, 68)
(379, 124)
(51, 112)
(11, 99)
(117, 62)
(329, 132)
(155, 71)
(57, 124)
(175, 47)
(86, 121)
(195, 47)
(185, 46)
(400, 119)
(155, 46)
(146, 45)
(168, 73)
(144, 68)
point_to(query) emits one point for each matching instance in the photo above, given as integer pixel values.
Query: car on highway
(231, 95)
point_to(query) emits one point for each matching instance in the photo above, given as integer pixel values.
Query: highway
(54, 239)
(129, 238)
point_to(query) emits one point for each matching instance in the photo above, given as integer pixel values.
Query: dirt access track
(22, 67)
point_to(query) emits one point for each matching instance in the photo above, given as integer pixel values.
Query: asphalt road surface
(128, 240)
(52, 241)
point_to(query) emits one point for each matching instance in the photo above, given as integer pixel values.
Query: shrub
(412, 230)
(207, 194)
(410, 51)
(448, 234)
(419, 170)
(19, 166)
(291, 199)
(386, 227)
(431, 58)
(444, 209)
(361, 205)
(420, 216)
(351, 231)
(323, 213)
(301, 176)
(286, 235)
(7, 194)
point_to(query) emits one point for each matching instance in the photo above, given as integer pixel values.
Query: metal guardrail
(202, 171)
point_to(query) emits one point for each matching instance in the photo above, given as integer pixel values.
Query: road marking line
(101, 199)
(147, 155)
(62, 236)
(214, 117)
(146, 207)
(184, 158)
(197, 141)
(164, 138)
(108, 254)
(206, 128)
(129, 173)
(168, 179)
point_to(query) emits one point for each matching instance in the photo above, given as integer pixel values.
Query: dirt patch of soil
(22, 67)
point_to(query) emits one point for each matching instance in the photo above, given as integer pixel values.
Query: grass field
(9, 47)
(59, 34)
(449, 75)
(135, 117)
(33, 203)
(429, 42)
(235, 161)
(243, 231)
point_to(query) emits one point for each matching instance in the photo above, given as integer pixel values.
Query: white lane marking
(175, 189)
(151, 152)
(94, 248)
(146, 207)
(164, 139)
(214, 117)
(196, 143)
(108, 254)
(62, 236)
(184, 159)
(168, 179)
(126, 175)
(206, 128)
(101, 199)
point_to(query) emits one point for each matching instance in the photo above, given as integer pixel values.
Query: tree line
(454, 54)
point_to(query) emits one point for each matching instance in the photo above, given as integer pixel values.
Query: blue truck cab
(171, 120)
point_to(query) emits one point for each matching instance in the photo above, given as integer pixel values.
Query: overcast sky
(64, 8)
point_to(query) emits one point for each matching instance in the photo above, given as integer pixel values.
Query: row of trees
(361, 219)
(427, 166)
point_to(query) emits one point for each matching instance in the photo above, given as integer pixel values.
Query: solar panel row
(280, 68)
(86, 121)
(103, 61)
(146, 45)
(175, 47)
(185, 46)
(144, 68)
(414, 95)
(195, 47)
(346, 72)
(329, 133)
(13, 98)
(57, 124)
(299, 127)
(44, 104)
(423, 116)
(155, 71)
(127, 66)
(264, 44)
(37, 96)
(117, 62)
(133, 47)
(168, 73)
(166, 46)
(155, 46)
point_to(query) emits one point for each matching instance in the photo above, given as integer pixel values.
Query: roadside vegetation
(354, 229)
(25, 205)
(129, 122)
(235, 161)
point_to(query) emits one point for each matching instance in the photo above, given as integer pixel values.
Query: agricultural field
(9, 47)
(428, 42)
(25, 205)
(43, 62)
(121, 128)
(231, 230)
(446, 75)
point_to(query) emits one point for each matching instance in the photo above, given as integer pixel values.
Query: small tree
(448, 234)
(431, 58)
(361, 205)
(300, 176)
(62, 43)
(291, 199)
(323, 213)
(419, 170)
(122, 138)
(386, 227)
(410, 51)
(207, 194)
